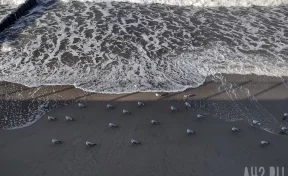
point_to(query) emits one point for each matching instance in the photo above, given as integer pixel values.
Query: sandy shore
(166, 150)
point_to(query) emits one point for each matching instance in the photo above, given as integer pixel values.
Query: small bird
(134, 142)
(81, 105)
(188, 105)
(234, 129)
(285, 116)
(140, 104)
(200, 116)
(55, 141)
(284, 128)
(188, 95)
(112, 125)
(158, 95)
(190, 131)
(174, 109)
(154, 122)
(90, 144)
(126, 111)
(109, 106)
(263, 143)
(256, 122)
(50, 118)
(68, 118)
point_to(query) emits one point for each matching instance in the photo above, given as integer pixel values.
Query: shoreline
(166, 149)
(236, 93)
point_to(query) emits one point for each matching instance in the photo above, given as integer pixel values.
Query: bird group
(154, 122)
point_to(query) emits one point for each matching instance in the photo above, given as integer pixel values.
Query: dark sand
(166, 149)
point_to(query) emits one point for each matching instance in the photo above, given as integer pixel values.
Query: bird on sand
(50, 118)
(140, 104)
(188, 95)
(174, 109)
(264, 143)
(200, 116)
(134, 142)
(68, 118)
(158, 95)
(112, 125)
(109, 106)
(188, 105)
(285, 116)
(256, 122)
(234, 129)
(154, 122)
(190, 131)
(81, 105)
(90, 144)
(55, 141)
(126, 111)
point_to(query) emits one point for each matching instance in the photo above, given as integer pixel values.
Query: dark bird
(50, 118)
(188, 105)
(256, 122)
(264, 143)
(190, 131)
(55, 141)
(126, 111)
(112, 125)
(90, 144)
(81, 105)
(285, 116)
(140, 104)
(154, 122)
(234, 129)
(134, 142)
(174, 109)
(68, 118)
(109, 106)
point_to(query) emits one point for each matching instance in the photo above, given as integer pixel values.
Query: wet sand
(166, 149)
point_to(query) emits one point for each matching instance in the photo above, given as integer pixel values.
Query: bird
(112, 125)
(81, 105)
(263, 143)
(126, 111)
(140, 104)
(158, 95)
(188, 95)
(256, 122)
(154, 122)
(109, 106)
(134, 142)
(200, 116)
(50, 118)
(174, 109)
(90, 144)
(285, 116)
(190, 131)
(188, 105)
(234, 129)
(68, 118)
(55, 141)
(284, 128)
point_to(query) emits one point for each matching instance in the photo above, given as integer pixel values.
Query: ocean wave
(124, 47)
(11, 2)
(199, 3)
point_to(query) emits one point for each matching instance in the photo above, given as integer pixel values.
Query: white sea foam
(11, 2)
(62, 49)
(125, 47)
(200, 3)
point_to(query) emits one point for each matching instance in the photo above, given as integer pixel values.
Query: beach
(166, 149)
